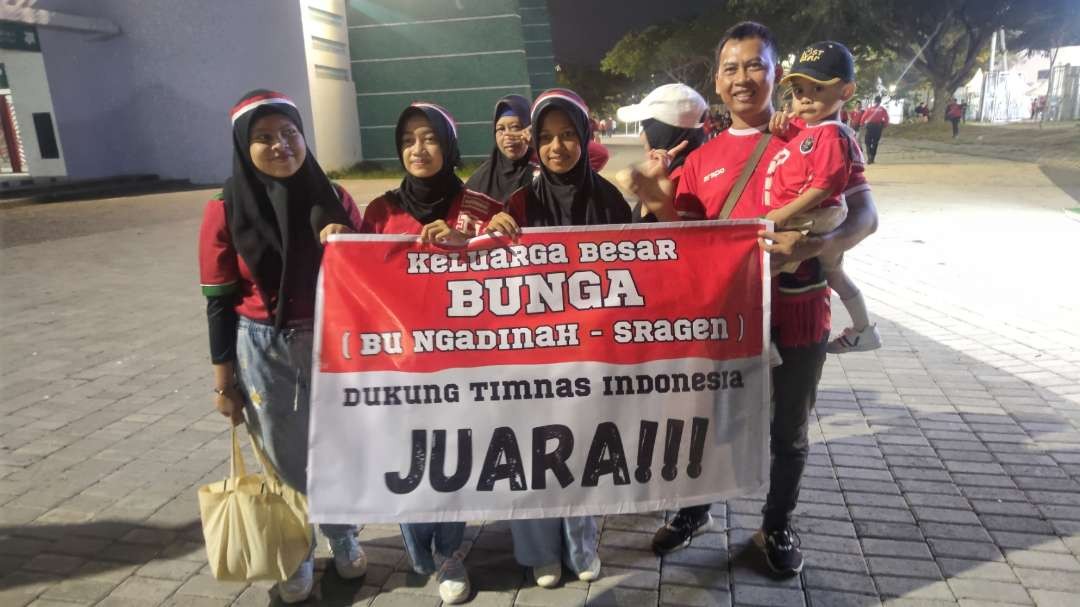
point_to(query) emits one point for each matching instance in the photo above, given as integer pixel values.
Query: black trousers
(873, 136)
(794, 394)
(955, 126)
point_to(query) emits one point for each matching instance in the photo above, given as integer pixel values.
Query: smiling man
(746, 76)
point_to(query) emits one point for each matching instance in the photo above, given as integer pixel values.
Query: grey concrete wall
(155, 99)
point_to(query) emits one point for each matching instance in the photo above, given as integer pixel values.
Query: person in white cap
(671, 124)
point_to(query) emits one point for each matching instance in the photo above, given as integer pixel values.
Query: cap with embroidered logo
(824, 62)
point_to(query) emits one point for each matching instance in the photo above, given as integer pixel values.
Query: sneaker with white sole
(349, 558)
(592, 573)
(453, 580)
(547, 576)
(298, 587)
(855, 341)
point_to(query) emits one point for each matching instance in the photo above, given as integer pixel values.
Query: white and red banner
(597, 370)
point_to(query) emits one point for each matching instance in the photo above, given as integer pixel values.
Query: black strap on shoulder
(744, 178)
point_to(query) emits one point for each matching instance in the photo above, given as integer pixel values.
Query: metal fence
(1063, 100)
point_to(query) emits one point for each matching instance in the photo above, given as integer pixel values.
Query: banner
(582, 370)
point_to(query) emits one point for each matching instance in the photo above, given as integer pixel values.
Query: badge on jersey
(807, 145)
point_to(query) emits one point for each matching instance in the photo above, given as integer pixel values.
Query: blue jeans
(274, 371)
(546, 541)
(423, 540)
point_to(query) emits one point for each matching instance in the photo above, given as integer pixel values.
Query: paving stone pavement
(944, 468)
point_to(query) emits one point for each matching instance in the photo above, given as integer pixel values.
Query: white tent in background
(1022, 78)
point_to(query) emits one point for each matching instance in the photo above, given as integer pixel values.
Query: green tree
(667, 52)
(945, 40)
(603, 92)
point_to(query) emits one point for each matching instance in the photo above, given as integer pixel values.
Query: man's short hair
(877, 100)
(749, 29)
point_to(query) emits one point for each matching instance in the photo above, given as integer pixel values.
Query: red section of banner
(623, 295)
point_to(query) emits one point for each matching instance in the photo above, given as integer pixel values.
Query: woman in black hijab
(431, 201)
(510, 166)
(259, 255)
(568, 191)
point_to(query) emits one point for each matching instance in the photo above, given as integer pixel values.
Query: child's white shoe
(855, 341)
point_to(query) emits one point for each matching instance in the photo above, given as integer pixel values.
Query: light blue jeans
(545, 541)
(423, 540)
(274, 372)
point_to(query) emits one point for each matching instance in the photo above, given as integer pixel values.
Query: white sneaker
(855, 341)
(592, 573)
(349, 558)
(547, 576)
(298, 587)
(453, 580)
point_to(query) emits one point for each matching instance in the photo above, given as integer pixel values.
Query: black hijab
(580, 196)
(663, 136)
(429, 198)
(275, 223)
(499, 177)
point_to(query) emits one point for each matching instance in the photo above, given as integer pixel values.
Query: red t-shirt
(800, 314)
(221, 270)
(819, 156)
(876, 115)
(469, 214)
(856, 118)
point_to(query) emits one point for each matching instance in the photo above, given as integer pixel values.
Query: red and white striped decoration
(256, 101)
(565, 95)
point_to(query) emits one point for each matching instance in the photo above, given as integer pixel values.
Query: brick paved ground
(944, 469)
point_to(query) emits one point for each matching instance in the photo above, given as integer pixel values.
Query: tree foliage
(667, 52)
(603, 92)
(945, 41)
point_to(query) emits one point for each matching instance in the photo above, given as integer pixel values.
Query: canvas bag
(255, 526)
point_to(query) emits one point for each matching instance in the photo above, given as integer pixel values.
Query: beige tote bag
(255, 526)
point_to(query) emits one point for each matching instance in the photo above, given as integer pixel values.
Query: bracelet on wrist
(222, 391)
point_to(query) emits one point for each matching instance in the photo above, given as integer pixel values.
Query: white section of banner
(356, 448)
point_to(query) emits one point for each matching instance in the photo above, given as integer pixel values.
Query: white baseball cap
(674, 104)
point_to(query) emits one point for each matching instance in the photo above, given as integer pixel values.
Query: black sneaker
(677, 533)
(782, 551)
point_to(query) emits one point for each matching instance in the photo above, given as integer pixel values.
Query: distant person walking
(875, 120)
(855, 118)
(953, 113)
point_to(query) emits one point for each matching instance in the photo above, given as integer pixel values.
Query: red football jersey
(712, 170)
(469, 214)
(222, 270)
(876, 115)
(820, 156)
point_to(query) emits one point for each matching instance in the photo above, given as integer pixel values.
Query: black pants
(794, 394)
(955, 126)
(873, 136)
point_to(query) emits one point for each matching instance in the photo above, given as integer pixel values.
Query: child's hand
(779, 123)
(504, 222)
(440, 232)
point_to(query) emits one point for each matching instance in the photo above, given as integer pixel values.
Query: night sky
(583, 30)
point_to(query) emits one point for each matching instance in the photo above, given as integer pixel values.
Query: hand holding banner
(591, 370)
